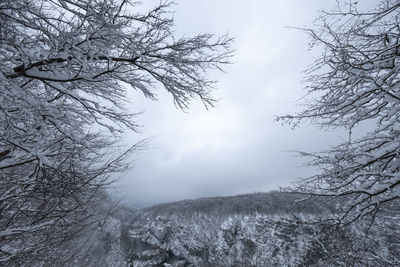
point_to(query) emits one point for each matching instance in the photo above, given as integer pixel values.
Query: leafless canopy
(65, 66)
(355, 79)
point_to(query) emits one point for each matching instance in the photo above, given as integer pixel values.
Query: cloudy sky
(237, 147)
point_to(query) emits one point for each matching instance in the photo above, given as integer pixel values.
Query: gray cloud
(235, 147)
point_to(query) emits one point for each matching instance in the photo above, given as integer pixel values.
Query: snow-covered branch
(356, 79)
(64, 70)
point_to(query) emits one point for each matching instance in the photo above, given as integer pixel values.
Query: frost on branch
(64, 70)
(356, 79)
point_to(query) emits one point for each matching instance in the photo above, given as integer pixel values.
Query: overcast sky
(237, 147)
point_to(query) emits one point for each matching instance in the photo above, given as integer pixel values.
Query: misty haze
(199, 133)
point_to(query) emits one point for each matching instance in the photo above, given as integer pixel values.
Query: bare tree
(65, 66)
(356, 79)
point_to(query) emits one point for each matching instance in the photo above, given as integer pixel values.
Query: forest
(67, 68)
(260, 229)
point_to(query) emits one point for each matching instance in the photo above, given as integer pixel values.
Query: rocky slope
(266, 229)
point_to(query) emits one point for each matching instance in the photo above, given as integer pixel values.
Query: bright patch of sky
(235, 147)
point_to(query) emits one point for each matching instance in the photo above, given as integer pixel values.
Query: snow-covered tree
(356, 79)
(65, 66)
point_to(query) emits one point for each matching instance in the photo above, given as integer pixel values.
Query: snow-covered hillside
(265, 229)
(229, 232)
